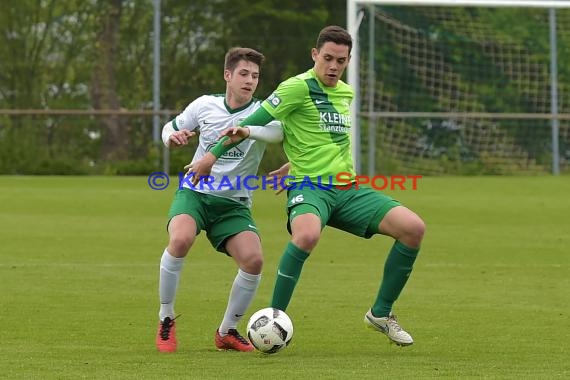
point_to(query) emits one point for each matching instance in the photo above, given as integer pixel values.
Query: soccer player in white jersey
(222, 206)
(314, 108)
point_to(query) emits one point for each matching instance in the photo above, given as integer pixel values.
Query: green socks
(397, 270)
(288, 273)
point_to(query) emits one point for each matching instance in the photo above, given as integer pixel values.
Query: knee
(252, 263)
(178, 245)
(414, 233)
(306, 240)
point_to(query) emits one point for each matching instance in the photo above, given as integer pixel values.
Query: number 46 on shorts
(298, 199)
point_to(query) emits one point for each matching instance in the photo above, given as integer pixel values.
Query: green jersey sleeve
(286, 98)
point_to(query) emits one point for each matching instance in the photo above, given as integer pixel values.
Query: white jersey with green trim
(210, 115)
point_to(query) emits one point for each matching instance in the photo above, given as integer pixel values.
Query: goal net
(460, 90)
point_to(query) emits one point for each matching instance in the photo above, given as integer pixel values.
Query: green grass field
(489, 296)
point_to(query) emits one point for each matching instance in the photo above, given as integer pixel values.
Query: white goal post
(355, 14)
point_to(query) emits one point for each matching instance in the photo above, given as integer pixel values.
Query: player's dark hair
(336, 34)
(236, 54)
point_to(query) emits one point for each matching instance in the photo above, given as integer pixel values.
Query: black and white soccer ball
(270, 330)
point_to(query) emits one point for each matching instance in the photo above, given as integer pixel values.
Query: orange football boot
(232, 341)
(166, 335)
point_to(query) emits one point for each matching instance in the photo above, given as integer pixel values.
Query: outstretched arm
(259, 118)
(203, 167)
(271, 133)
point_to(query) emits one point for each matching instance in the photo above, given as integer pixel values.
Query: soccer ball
(270, 330)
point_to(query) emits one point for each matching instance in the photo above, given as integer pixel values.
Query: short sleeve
(288, 96)
(188, 119)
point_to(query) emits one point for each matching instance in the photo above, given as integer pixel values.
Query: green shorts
(356, 211)
(220, 217)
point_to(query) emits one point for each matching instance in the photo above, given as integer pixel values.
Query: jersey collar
(234, 110)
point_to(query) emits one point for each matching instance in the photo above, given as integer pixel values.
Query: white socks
(170, 268)
(242, 293)
(243, 290)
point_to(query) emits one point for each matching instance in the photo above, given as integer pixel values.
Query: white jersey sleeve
(188, 119)
(271, 133)
(167, 131)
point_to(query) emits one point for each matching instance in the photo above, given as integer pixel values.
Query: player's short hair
(236, 54)
(336, 34)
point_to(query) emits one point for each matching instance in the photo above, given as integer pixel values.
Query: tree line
(98, 54)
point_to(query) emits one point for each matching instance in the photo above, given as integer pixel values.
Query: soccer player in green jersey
(222, 206)
(314, 108)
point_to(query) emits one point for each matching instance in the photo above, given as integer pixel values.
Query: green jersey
(316, 126)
